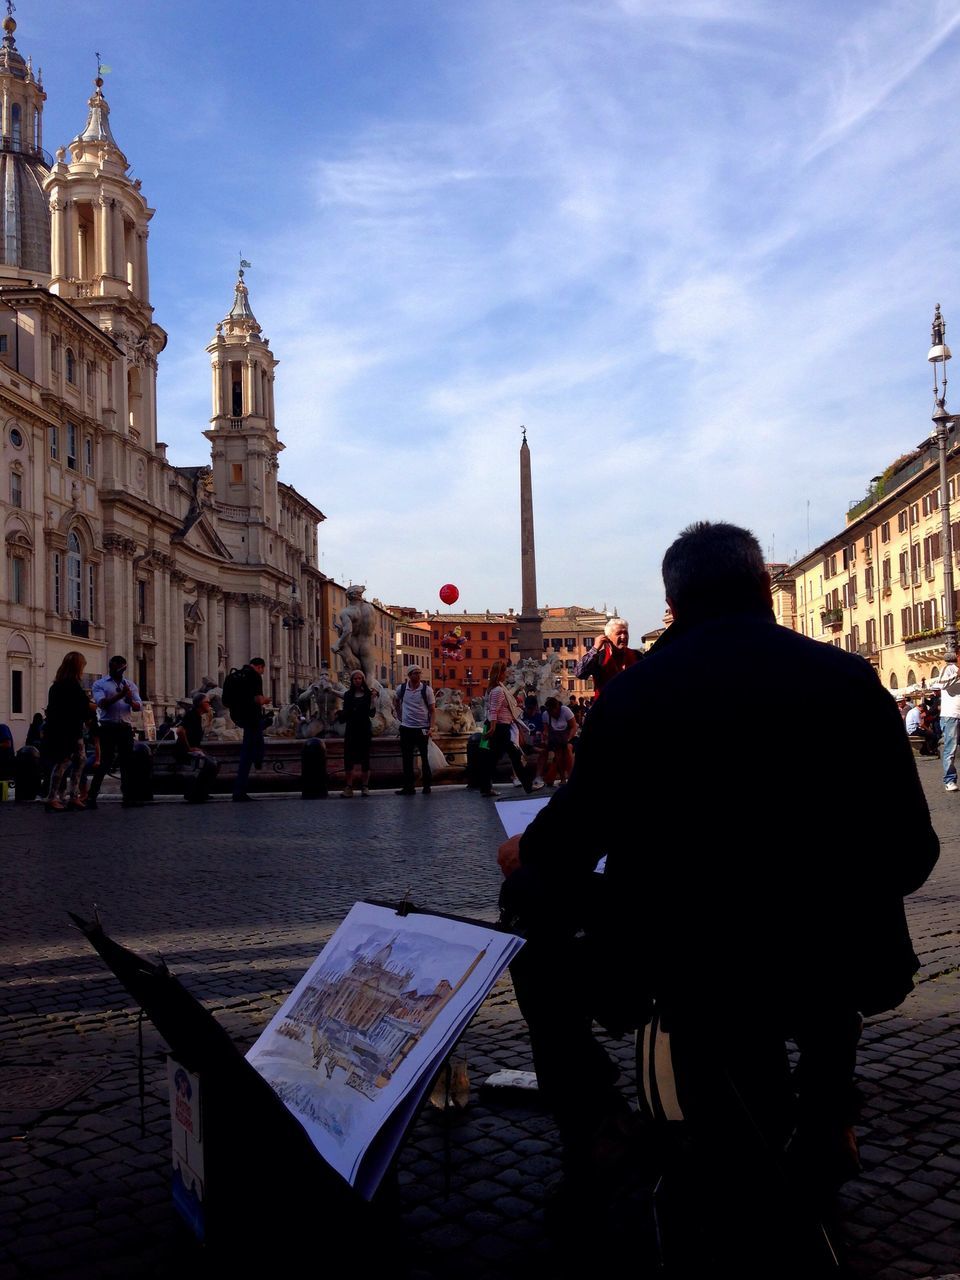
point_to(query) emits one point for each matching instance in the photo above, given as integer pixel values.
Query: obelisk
(529, 630)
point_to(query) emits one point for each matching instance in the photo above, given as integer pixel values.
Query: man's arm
(590, 662)
(432, 709)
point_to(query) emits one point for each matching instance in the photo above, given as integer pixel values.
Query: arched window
(71, 366)
(911, 678)
(74, 576)
(15, 125)
(934, 673)
(893, 680)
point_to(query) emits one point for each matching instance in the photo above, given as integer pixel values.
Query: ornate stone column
(101, 234)
(73, 232)
(175, 629)
(212, 656)
(57, 234)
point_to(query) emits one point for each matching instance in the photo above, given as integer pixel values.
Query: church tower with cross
(108, 546)
(243, 434)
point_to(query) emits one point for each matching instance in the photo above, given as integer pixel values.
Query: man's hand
(508, 855)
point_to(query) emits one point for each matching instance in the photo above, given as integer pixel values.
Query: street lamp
(294, 621)
(939, 354)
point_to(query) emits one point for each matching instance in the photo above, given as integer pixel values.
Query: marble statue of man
(355, 626)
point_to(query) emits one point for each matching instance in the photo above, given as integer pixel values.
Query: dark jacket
(246, 711)
(758, 857)
(69, 708)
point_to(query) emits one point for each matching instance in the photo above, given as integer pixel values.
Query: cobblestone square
(238, 901)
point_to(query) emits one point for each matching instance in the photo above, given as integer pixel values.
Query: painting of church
(365, 1020)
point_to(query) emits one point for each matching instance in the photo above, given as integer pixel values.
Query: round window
(16, 438)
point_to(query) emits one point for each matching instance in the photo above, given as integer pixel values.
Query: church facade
(108, 547)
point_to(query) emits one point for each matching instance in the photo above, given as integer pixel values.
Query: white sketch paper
(516, 816)
(357, 1043)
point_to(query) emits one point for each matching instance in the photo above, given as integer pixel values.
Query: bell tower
(243, 434)
(98, 260)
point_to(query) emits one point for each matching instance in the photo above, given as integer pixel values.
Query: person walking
(416, 711)
(246, 703)
(502, 712)
(116, 698)
(950, 719)
(69, 708)
(358, 710)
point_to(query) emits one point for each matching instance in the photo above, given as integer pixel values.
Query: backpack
(234, 693)
(401, 690)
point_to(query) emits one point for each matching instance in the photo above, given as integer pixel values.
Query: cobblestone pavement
(238, 900)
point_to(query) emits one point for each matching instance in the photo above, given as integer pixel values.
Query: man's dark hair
(118, 658)
(715, 568)
(256, 662)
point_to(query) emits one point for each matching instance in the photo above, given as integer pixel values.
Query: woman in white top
(560, 730)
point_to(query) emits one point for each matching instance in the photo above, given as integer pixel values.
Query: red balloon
(449, 593)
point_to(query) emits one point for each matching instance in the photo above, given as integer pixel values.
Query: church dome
(24, 165)
(24, 213)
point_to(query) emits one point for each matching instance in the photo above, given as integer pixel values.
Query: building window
(56, 581)
(914, 519)
(91, 378)
(483, 635)
(91, 593)
(501, 635)
(17, 581)
(71, 364)
(236, 473)
(53, 435)
(3, 344)
(885, 531)
(484, 653)
(888, 629)
(88, 458)
(16, 693)
(54, 353)
(16, 489)
(74, 575)
(72, 449)
(902, 522)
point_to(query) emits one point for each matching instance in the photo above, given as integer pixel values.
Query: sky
(693, 246)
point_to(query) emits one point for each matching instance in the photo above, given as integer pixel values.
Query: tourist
(561, 729)
(500, 713)
(610, 654)
(416, 709)
(69, 708)
(246, 703)
(358, 710)
(116, 698)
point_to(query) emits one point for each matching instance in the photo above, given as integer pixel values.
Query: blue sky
(694, 245)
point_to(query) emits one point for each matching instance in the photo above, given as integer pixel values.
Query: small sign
(186, 1123)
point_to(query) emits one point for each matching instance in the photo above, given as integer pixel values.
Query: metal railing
(20, 148)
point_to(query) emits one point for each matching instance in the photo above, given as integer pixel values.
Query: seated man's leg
(828, 1101)
(553, 986)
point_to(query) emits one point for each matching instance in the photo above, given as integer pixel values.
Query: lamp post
(294, 622)
(939, 354)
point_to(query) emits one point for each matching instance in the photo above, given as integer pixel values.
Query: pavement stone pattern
(238, 900)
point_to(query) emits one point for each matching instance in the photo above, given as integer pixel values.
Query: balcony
(925, 644)
(869, 651)
(80, 627)
(887, 586)
(905, 580)
(929, 570)
(832, 618)
(869, 594)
